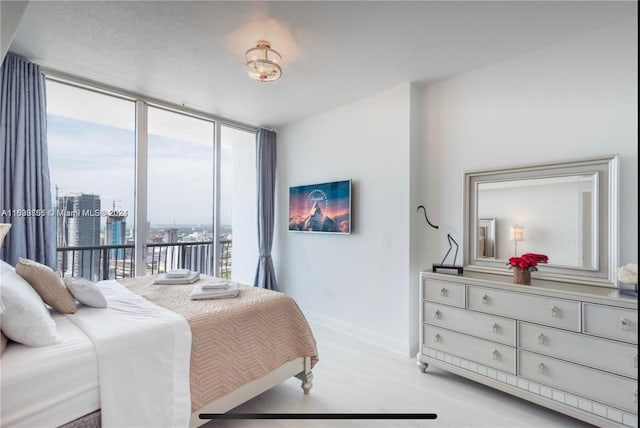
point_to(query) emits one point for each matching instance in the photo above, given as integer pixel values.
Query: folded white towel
(178, 273)
(216, 284)
(199, 294)
(162, 279)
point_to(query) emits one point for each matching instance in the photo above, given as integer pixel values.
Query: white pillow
(86, 292)
(25, 319)
(4, 265)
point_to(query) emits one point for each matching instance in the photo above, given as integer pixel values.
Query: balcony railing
(118, 261)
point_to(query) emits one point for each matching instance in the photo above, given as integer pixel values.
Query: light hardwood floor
(355, 376)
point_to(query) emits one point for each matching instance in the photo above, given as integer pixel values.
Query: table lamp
(517, 235)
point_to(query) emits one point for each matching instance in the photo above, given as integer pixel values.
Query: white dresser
(569, 347)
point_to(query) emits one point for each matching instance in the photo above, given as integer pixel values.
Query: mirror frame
(607, 195)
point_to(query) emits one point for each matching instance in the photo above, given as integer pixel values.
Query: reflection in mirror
(567, 210)
(487, 238)
(556, 212)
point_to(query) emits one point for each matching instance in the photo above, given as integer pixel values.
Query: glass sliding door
(180, 192)
(238, 212)
(91, 143)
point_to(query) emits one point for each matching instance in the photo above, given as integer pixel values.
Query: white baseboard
(365, 334)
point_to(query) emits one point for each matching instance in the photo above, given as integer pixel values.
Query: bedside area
(570, 347)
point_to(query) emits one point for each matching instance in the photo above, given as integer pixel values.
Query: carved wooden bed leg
(307, 381)
(306, 376)
(422, 366)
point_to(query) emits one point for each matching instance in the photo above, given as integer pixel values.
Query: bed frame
(256, 387)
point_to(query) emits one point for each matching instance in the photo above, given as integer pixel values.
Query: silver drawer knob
(624, 324)
(495, 355)
(555, 311)
(541, 368)
(443, 292)
(635, 361)
(438, 315)
(485, 300)
(541, 339)
(436, 338)
(635, 396)
(496, 328)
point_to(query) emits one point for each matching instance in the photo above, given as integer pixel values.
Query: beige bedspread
(236, 340)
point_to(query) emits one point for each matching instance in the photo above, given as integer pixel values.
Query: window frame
(142, 104)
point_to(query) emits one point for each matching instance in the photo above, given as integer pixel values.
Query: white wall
(359, 282)
(408, 146)
(572, 100)
(244, 223)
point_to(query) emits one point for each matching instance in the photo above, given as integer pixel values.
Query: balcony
(117, 261)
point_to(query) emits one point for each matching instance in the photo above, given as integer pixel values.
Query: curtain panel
(25, 196)
(266, 186)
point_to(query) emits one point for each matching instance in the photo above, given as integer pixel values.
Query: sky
(91, 142)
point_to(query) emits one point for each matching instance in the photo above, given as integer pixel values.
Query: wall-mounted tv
(321, 208)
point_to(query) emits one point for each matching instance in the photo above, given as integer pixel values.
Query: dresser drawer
(607, 355)
(526, 307)
(496, 355)
(490, 327)
(604, 387)
(447, 293)
(611, 322)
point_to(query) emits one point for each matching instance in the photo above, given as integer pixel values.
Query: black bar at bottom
(305, 416)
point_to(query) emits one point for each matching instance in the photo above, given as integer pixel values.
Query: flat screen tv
(321, 208)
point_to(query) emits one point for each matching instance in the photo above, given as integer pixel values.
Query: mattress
(49, 385)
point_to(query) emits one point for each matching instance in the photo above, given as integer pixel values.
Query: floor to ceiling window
(92, 157)
(91, 143)
(180, 183)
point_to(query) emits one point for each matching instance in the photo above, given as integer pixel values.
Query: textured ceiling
(334, 52)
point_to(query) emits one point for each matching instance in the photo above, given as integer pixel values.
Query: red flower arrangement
(528, 261)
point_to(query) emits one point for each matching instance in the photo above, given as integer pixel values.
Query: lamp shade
(517, 233)
(4, 229)
(263, 63)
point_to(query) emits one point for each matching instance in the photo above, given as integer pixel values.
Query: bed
(240, 347)
(49, 385)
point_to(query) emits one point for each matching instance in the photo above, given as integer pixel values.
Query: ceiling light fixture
(263, 63)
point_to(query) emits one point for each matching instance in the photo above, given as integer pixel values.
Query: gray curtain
(266, 185)
(24, 180)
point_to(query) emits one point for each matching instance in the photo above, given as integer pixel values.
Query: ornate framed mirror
(567, 210)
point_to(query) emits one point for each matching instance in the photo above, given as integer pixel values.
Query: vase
(521, 276)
